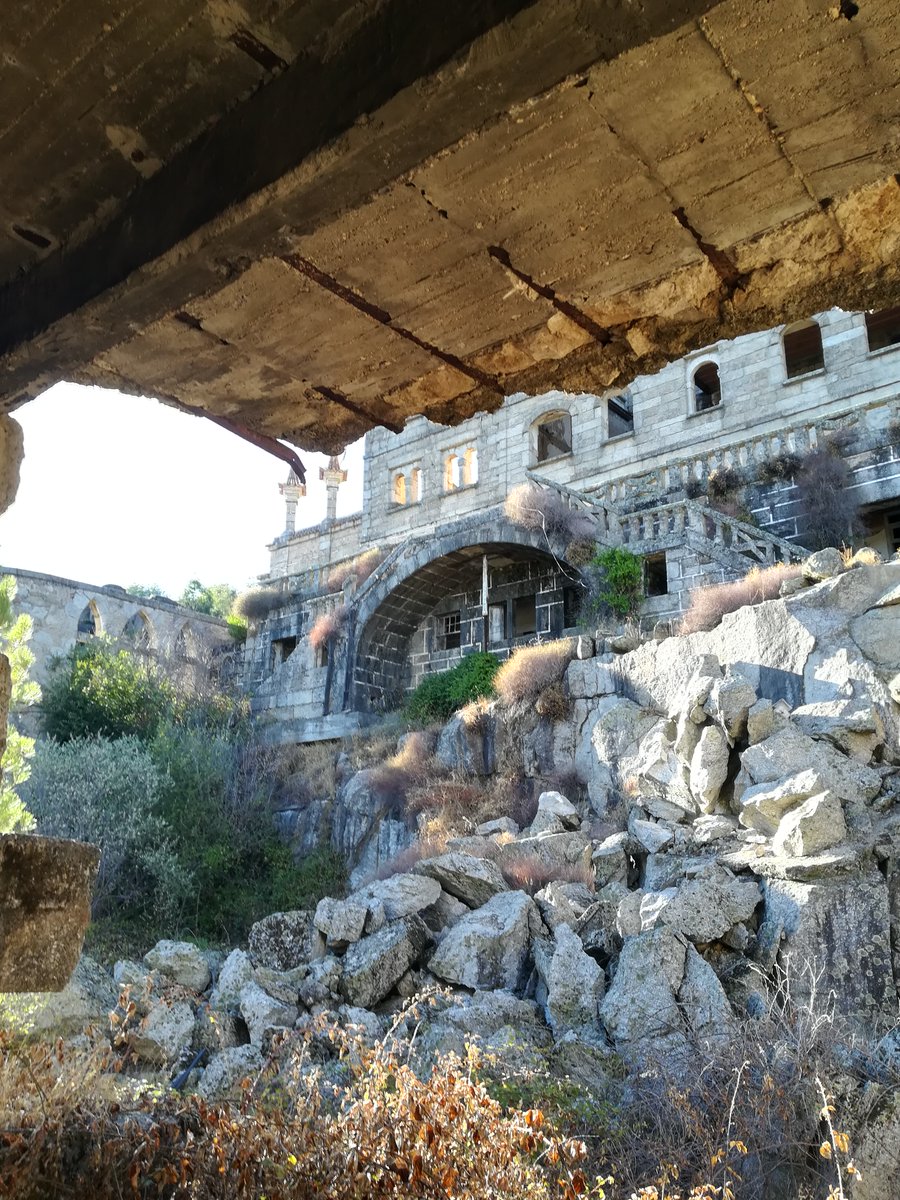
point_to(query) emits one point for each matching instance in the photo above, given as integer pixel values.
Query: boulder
(853, 725)
(571, 984)
(285, 940)
(282, 986)
(224, 1075)
(215, 1030)
(476, 846)
(597, 925)
(876, 1152)
(341, 921)
(164, 1033)
(824, 564)
(262, 1012)
(712, 828)
(554, 804)
(182, 962)
(235, 971)
(498, 825)
(664, 1000)
(707, 907)
(790, 751)
(640, 911)
(466, 746)
(128, 973)
(322, 984)
(472, 880)
(762, 721)
(815, 825)
(611, 860)
(444, 913)
(551, 850)
(374, 965)
(763, 806)
(400, 896)
(730, 701)
(88, 997)
(654, 836)
(709, 767)
(490, 948)
(563, 903)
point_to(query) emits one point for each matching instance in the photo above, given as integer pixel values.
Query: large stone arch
(392, 608)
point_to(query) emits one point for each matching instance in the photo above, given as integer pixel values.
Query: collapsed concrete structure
(449, 573)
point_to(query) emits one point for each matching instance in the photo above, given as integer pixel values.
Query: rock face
(572, 984)
(45, 905)
(89, 996)
(181, 962)
(284, 940)
(490, 948)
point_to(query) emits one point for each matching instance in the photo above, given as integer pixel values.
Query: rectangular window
(656, 579)
(620, 416)
(496, 623)
(524, 616)
(281, 649)
(883, 328)
(321, 655)
(571, 605)
(449, 628)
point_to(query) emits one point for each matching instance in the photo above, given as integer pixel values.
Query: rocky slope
(734, 854)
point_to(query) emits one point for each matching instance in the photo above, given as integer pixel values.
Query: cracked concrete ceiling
(306, 217)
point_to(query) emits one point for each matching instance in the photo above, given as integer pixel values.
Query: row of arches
(138, 631)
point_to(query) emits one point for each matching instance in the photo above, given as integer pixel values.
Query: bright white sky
(122, 489)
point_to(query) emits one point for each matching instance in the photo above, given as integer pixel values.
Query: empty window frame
(554, 437)
(706, 386)
(452, 473)
(415, 485)
(496, 623)
(281, 648)
(470, 467)
(398, 488)
(803, 351)
(449, 628)
(656, 579)
(320, 655)
(571, 606)
(619, 416)
(883, 328)
(89, 621)
(524, 616)
(139, 631)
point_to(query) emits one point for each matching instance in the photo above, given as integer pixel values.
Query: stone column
(292, 491)
(333, 477)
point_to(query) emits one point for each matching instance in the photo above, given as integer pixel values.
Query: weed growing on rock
(531, 669)
(328, 627)
(439, 695)
(710, 604)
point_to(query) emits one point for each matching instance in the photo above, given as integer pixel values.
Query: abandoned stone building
(454, 574)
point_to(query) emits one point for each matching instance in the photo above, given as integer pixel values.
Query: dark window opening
(707, 388)
(321, 655)
(281, 649)
(496, 623)
(803, 351)
(554, 437)
(882, 524)
(571, 606)
(883, 328)
(656, 579)
(524, 616)
(450, 628)
(87, 622)
(620, 416)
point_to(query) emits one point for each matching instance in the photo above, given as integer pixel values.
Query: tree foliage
(215, 599)
(618, 576)
(15, 633)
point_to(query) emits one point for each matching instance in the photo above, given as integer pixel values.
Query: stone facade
(637, 460)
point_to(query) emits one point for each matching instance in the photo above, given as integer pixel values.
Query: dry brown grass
(313, 764)
(865, 556)
(531, 669)
(359, 568)
(710, 604)
(327, 627)
(541, 510)
(528, 873)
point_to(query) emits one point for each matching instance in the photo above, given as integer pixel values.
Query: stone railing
(607, 516)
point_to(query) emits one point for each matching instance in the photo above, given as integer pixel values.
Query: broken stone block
(824, 564)
(341, 921)
(224, 1075)
(763, 806)
(730, 701)
(164, 1033)
(374, 965)
(816, 825)
(472, 880)
(262, 1012)
(182, 962)
(285, 940)
(572, 984)
(709, 767)
(400, 896)
(490, 948)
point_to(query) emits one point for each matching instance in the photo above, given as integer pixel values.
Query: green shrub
(107, 792)
(98, 691)
(438, 696)
(237, 627)
(619, 580)
(15, 633)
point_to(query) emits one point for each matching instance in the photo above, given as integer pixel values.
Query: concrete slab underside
(313, 218)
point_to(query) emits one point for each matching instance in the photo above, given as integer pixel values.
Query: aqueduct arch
(394, 608)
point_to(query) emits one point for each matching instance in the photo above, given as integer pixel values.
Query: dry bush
(256, 603)
(580, 551)
(830, 509)
(724, 481)
(327, 627)
(568, 781)
(460, 802)
(553, 703)
(528, 873)
(430, 843)
(411, 766)
(359, 568)
(865, 556)
(393, 1134)
(541, 510)
(710, 604)
(778, 469)
(310, 768)
(531, 669)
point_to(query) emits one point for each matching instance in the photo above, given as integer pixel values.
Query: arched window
(553, 436)
(399, 490)
(451, 473)
(139, 631)
(185, 642)
(883, 328)
(803, 351)
(707, 388)
(415, 485)
(89, 622)
(470, 467)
